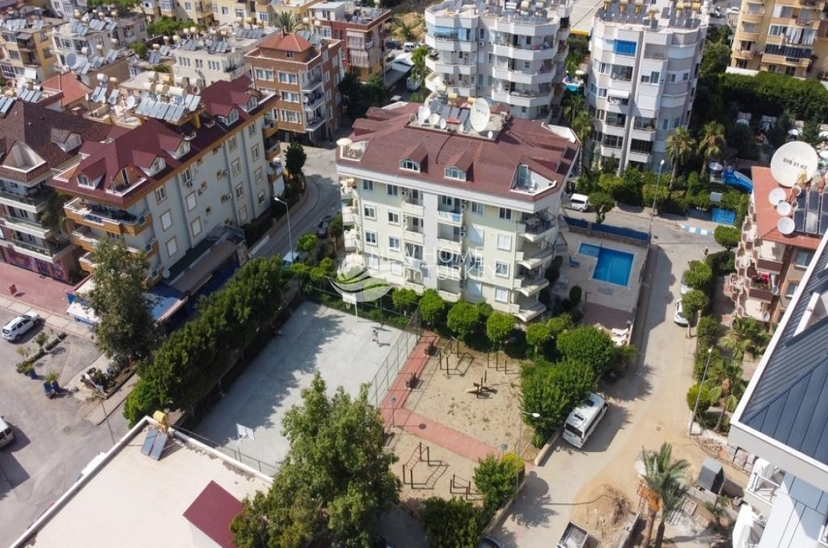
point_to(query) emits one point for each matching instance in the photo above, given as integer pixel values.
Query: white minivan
(6, 433)
(578, 202)
(409, 47)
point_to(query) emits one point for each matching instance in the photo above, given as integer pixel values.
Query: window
(501, 269)
(790, 291)
(259, 176)
(368, 185)
(393, 243)
(477, 208)
(371, 238)
(255, 152)
(393, 217)
(289, 54)
(239, 191)
(622, 47)
(236, 165)
(251, 129)
(260, 197)
(160, 194)
(264, 74)
(187, 176)
(392, 190)
(166, 220)
(231, 143)
(504, 242)
(476, 266)
(803, 258)
(172, 247)
(652, 78)
(192, 202)
(288, 78)
(455, 173)
(409, 165)
(501, 295)
(83, 180)
(195, 227)
(505, 214)
(369, 212)
(243, 215)
(396, 267)
(613, 141)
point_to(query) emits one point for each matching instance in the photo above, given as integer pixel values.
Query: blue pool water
(613, 266)
(572, 87)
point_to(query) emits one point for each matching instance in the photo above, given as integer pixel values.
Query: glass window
(623, 47)
(455, 173)
(393, 242)
(393, 216)
(409, 165)
(166, 220)
(160, 194)
(392, 190)
(371, 238)
(368, 185)
(504, 242)
(506, 213)
(501, 295)
(477, 208)
(501, 269)
(803, 258)
(370, 212)
(172, 247)
(790, 291)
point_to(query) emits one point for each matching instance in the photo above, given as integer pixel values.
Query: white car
(733, 10)
(678, 315)
(19, 326)
(685, 289)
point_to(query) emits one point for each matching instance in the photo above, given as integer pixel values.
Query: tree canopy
(602, 203)
(451, 523)
(295, 158)
(589, 345)
(463, 318)
(432, 307)
(307, 242)
(498, 327)
(727, 236)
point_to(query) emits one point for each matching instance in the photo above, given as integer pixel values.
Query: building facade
(359, 29)
(780, 421)
(769, 265)
(470, 211)
(789, 37)
(26, 44)
(198, 11)
(33, 150)
(228, 12)
(513, 55)
(644, 65)
(304, 74)
(164, 186)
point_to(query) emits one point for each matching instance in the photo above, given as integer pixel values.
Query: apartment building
(789, 37)
(203, 58)
(643, 70)
(36, 142)
(770, 266)
(361, 31)
(198, 11)
(227, 12)
(456, 199)
(781, 421)
(511, 54)
(304, 71)
(26, 45)
(170, 183)
(73, 92)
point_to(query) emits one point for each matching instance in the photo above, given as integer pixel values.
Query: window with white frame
(476, 266)
(259, 176)
(369, 212)
(264, 74)
(396, 268)
(255, 152)
(505, 213)
(232, 143)
(393, 217)
(195, 226)
(191, 201)
(371, 238)
(251, 129)
(393, 243)
(288, 78)
(260, 197)
(243, 215)
(236, 165)
(392, 190)
(803, 258)
(187, 176)
(501, 269)
(790, 291)
(409, 165)
(239, 190)
(368, 185)
(477, 208)
(504, 242)
(501, 295)
(160, 194)
(166, 220)
(372, 261)
(455, 173)
(289, 116)
(172, 247)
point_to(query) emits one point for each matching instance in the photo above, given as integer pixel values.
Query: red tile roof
(287, 42)
(212, 511)
(221, 97)
(72, 88)
(766, 215)
(490, 165)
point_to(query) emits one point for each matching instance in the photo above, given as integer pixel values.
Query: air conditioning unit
(404, 192)
(188, 184)
(200, 191)
(224, 173)
(464, 206)
(481, 43)
(463, 232)
(405, 218)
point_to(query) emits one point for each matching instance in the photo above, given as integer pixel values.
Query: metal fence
(267, 468)
(395, 361)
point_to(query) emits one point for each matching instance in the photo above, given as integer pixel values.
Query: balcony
(313, 123)
(87, 263)
(450, 42)
(524, 53)
(762, 485)
(46, 251)
(453, 271)
(445, 244)
(411, 208)
(28, 226)
(450, 217)
(269, 126)
(536, 229)
(352, 241)
(753, 16)
(535, 260)
(449, 295)
(349, 214)
(312, 82)
(523, 97)
(744, 53)
(529, 313)
(312, 100)
(84, 238)
(410, 234)
(531, 77)
(530, 285)
(768, 265)
(761, 291)
(113, 221)
(32, 202)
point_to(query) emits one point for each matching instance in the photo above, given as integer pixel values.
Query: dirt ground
(604, 513)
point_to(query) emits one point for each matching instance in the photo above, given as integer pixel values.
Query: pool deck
(608, 304)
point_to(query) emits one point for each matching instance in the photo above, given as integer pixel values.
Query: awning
(618, 94)
(201, 272)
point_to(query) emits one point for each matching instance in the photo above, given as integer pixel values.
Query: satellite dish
(776, 195)
(786, 226)
(434, 119)
(442, 123)
(130, 102)
(792, 162)
(101, 75)
(765, 316)
(784, 208)
(344, 142)
(479, 115)
(166, 273)
(71, 60)
(422, 114)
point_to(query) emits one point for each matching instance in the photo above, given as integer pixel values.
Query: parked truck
(573, 537)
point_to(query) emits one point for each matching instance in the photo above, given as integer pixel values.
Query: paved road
(53, 442)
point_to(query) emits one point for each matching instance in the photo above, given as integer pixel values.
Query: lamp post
(518, 450)
(698, 395)
(102, 397)
(393, 408)
(290, 234)
(655, 197)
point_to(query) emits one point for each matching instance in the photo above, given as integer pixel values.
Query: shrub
(142, 401)
(589, 345)
(432, 307)
(705, 401)
(721, 262)
(495, 479)
(575, 295)
(707, 331)
(451, 523)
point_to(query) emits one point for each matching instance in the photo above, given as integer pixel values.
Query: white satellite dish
(794, 162)
(434, 119)
(786, 226)
(784, 208)
(422, 114)
(479, 115)
(130, 102)
(101, 76)
(776, 195)
(442, 123)
(71, 60)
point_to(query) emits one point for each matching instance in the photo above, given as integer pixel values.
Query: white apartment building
(512, 54)
(781, 419)
(642, 78)
(168, 183)
(431, 201)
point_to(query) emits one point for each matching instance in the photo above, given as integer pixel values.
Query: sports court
(316, 338)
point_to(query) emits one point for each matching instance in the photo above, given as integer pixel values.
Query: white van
(582, 421)
(409, 47)
(578, 202)
(6, 433)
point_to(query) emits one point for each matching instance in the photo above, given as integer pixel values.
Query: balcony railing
(33, 199)
(50, 249)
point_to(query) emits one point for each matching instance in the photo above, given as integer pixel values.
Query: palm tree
(745, 335)
(582, 126)
(418, 66)
(680, 146)
(712, 143)
(726, 386)
(660, 471)
(574, 105)
(672, 497)
(286, 21)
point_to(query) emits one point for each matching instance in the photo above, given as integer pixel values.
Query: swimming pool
(572, 87)
(613, 266)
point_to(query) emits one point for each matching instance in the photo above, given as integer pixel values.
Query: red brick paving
(34, 289)
(422, 427)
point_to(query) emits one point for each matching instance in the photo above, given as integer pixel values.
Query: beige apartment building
(173, 181)
(785, 36)
(26, 44)
(227, 12)
(197, 11)
(304, 71)
(359, 28)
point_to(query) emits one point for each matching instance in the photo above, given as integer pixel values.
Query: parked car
(733, 10)
(6, 433)
(19, 326)
(392, 44)
(685, 289)
(578, 202)
(409, 47)
(678, 315)
(322, 227)
(434, 54)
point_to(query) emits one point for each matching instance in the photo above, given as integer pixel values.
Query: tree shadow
(531, 509)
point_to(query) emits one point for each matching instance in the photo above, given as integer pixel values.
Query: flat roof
(582, 13)
(131, 500)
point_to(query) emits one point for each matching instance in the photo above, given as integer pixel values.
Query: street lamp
(287, 208)
(102, 397)
(393, 408)
(519, 443)
(698, 395)
(655, 197)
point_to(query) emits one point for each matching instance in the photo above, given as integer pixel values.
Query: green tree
(53, 215)
(811, 133)
(419, 71)
(699, 276)
(727, 236)
(142, 401)
(406, 31)
(711, 143)
(140, 48)
(498, 327)
(778, 134)
(451, 523)
(559, 324)
(745, 335)
(693, 304)
(538, 335)
(707, 331)
(495, 480)
(295, 158)
(655, 193)
(126, 330)
(404, 300)
(307, 242)
(582, 125)
(704, 399)
(286, 21)
(672, 497)
(552, 391)
(573, 105)
(715, 59)
(727, 384)
(680, 148)
(355, 100)
(166, 27)
(602, 203)
(660, 473)
(588, 345)
(336, 229)
(463, 319)
(432, 307)
(610, 164)
(120, 5)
